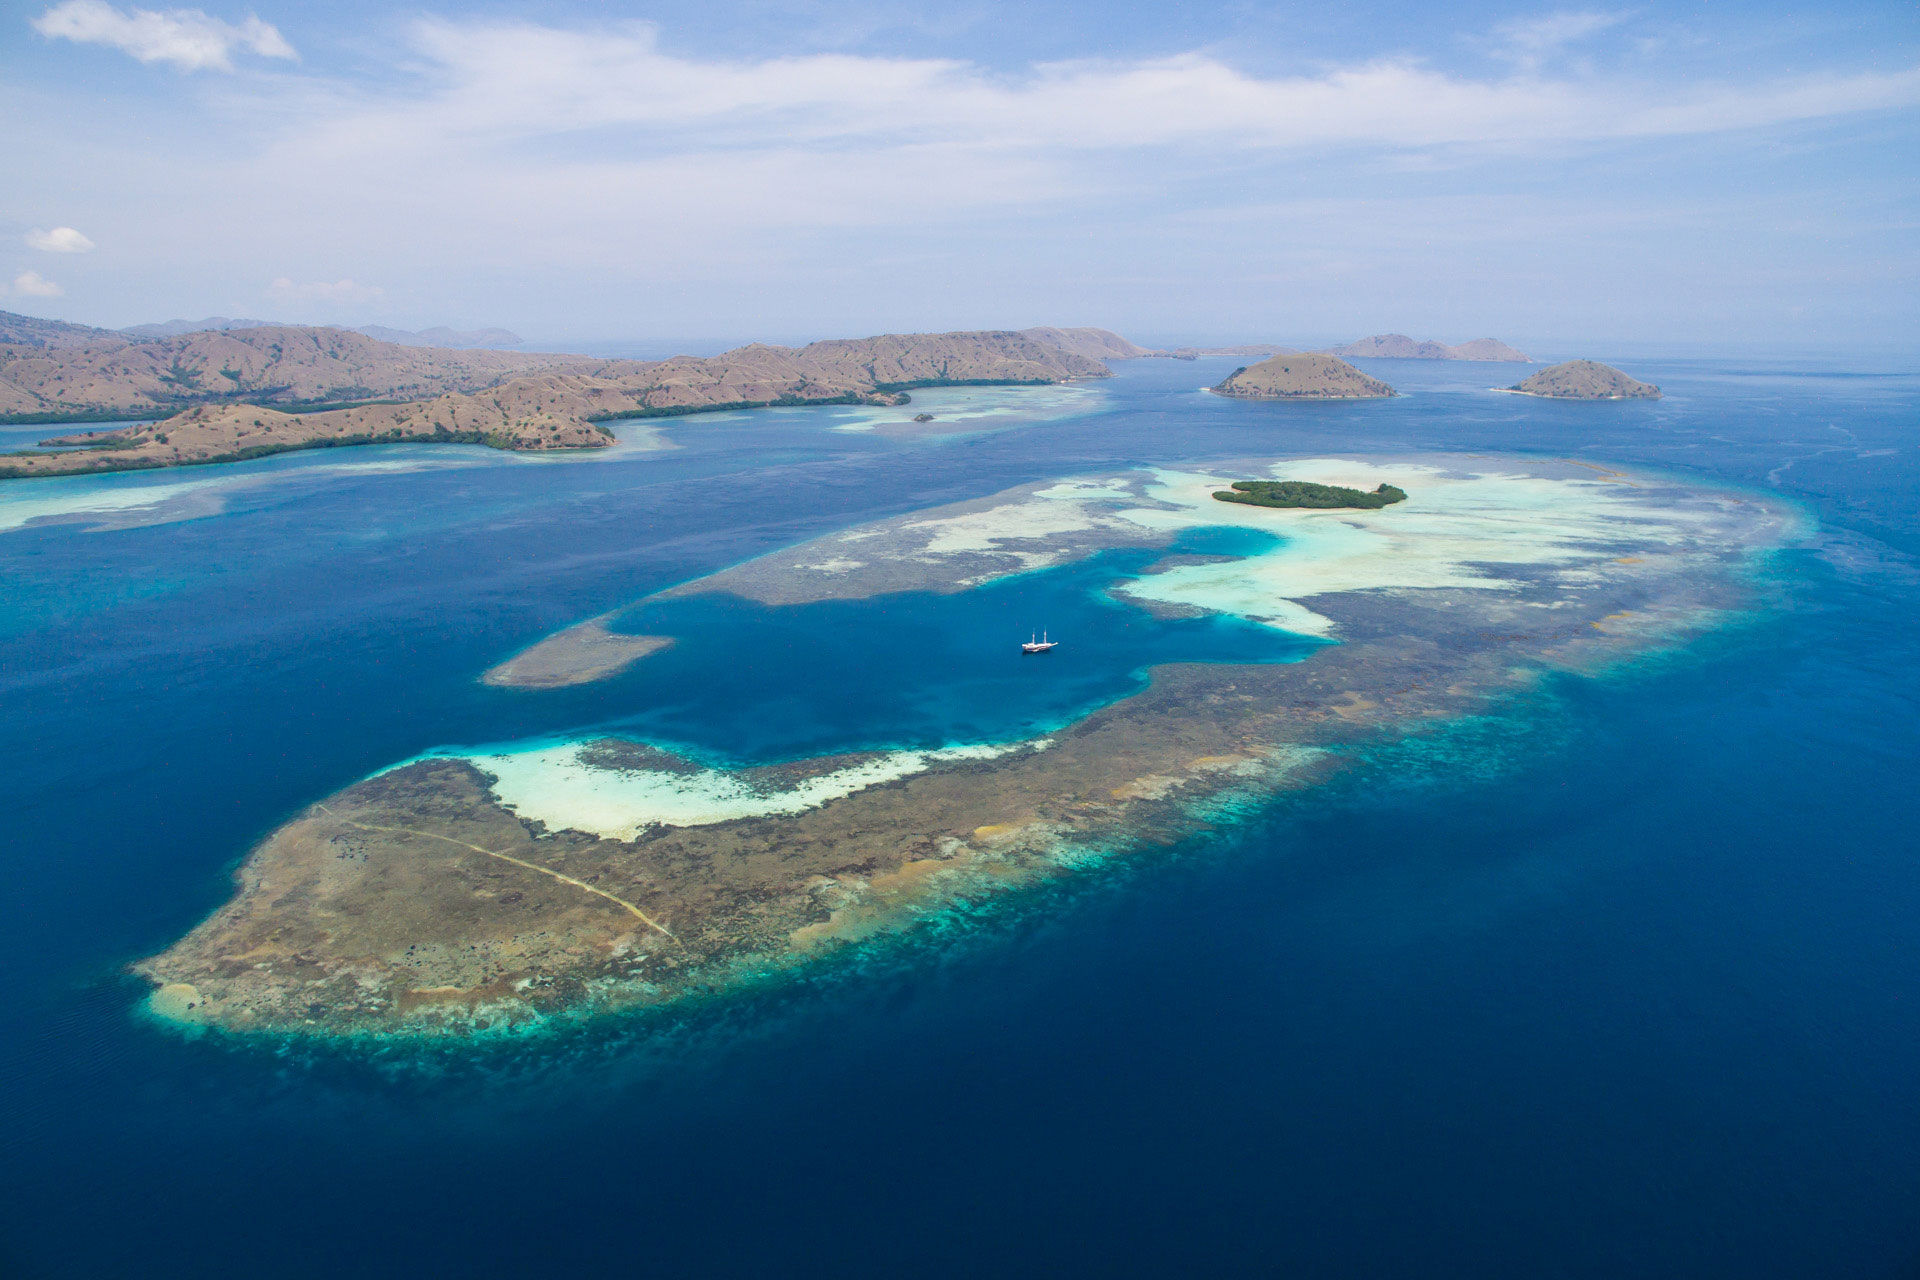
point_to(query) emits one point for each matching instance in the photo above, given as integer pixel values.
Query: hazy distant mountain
(1491, 349)
(441, 336)
(174, 328)
(1398, 346)
(1094, 344)
(1104, 344)
(53, 335)
(451, 339)
(1260, 350)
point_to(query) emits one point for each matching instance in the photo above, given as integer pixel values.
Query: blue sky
(1693, 175)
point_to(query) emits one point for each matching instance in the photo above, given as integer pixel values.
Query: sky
(1685, 175)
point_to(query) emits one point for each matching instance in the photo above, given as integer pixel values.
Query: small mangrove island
(1306, 493)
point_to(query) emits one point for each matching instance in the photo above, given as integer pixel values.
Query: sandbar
(584, 652)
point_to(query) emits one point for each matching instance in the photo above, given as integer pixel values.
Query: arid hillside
(561, 407)
(278, 365)
(1302, 377)
(1094, 344)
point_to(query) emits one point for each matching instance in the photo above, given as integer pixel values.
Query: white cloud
(58, 240)
(32, 284)
(490, 83)
(1528, 41)
(188, 38)
(324, 291)
(502, 166)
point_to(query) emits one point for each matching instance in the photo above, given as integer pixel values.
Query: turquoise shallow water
(1617, 980)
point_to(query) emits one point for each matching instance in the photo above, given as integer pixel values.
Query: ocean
(1620, 977)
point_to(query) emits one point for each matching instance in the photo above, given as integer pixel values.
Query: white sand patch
(838, 564)
(1453, 531)
(1027, 521)
(1456, 530)
(554, 785)
(130, 499)
(54, 498)
(963, 409)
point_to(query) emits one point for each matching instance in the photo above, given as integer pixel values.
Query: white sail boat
(1042, 645)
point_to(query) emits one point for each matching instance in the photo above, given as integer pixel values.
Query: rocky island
(1585, 380)
(520, 887)
(1302, 377)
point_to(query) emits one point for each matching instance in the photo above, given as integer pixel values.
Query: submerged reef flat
(526, 885)
(581, 654)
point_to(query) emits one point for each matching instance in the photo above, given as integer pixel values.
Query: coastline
(1536, 395)
(1291, 395)
(780, 886)
(109, 459)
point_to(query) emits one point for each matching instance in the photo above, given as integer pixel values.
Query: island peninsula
(527, 886)
(238, 394)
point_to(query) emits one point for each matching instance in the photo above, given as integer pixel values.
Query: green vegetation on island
(1305, 493)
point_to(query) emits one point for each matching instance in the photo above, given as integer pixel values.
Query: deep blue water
(915, 669)
(1624, 979)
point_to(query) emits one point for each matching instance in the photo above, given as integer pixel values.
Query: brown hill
(277, 365)
(1094, 344)
(559, 408)
(1586, 380)
(1391, 346)
(1302, 377)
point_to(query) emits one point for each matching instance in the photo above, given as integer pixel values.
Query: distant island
(1398, 346)
(439, 336)
(230, 395)
(1255, 350)
(1309, 494)
(1585, 380)
(1093, 344)
(1102, 344)
(1302, 377)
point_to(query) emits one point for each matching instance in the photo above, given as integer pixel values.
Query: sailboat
(1042, 645)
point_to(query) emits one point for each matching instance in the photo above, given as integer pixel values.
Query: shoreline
(1537, 395)
(112, 455)
(470, 944)
(992, 890)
